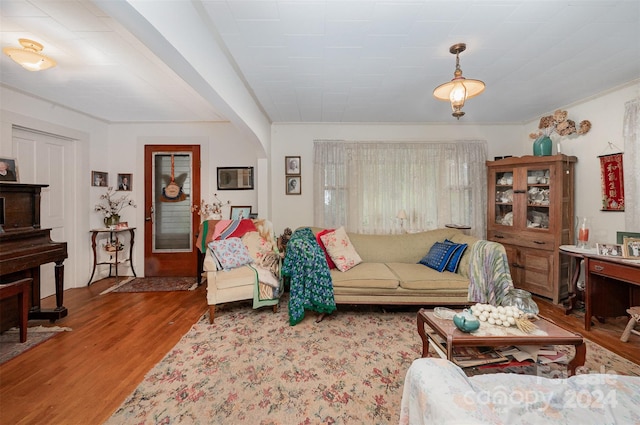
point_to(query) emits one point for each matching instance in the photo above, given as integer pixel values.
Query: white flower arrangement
(209, 209)
(111, 205)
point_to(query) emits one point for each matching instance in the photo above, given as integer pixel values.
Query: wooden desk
(612, 285)
(577, 254)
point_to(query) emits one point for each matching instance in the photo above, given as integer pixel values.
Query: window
(363, 185)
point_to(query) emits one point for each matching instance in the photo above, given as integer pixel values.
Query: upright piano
(24, 246)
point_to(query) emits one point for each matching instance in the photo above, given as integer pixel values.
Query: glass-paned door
(172, 186)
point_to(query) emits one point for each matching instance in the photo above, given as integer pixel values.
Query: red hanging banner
(612, 182)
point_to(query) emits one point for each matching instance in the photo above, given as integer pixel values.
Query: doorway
(172, 187)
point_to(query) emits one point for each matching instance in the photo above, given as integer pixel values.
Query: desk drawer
(619, 271)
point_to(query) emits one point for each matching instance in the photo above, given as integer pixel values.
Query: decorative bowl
(466, 321)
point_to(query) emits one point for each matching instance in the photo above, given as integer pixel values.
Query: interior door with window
(172, 186)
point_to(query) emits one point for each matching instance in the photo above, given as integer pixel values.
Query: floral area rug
(154, 284)
(251, 367)
(10, 345)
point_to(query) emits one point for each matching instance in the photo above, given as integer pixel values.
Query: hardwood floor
(605, 334)
(81, 377)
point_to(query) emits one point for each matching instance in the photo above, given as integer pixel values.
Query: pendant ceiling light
(29, 57)
(459, 88)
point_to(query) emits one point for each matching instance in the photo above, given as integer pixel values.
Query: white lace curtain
(363, 185)
(631, 134)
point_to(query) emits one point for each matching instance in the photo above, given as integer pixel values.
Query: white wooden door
(48, 159)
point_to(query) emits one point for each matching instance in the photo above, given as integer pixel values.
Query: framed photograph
(253, 216)
(292, 165)
(99, 178)
(294, 185)
(8, 170)
(235, 178)
(631, 248)
(609, 249)
(124, 182)
(621, 235)
(238, 213)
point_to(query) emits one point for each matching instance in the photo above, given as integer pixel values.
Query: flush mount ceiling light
(459, 88)
(29, 57)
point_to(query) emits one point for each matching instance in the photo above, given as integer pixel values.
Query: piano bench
(21, 288)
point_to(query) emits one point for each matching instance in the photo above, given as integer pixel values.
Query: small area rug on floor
(251, 367)
(10, 345)
(154, 284)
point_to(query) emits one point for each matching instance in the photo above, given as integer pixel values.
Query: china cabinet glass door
(504, 199)
(538, 197)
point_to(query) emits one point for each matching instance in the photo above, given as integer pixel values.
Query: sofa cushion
(399, 248)
(438, 256)
(366, 275)
(210, 263)
(454, 261)
(417, 276)
(463, 267)
(231, 253)
(340, 249)
(240, 276)
(330, 262)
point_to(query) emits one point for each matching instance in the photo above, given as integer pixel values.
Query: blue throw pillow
(438, 256)
(454, 261)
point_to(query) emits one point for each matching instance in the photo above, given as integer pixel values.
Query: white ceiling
(332, 61)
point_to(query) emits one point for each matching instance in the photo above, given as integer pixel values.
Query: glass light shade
(29, 57)
(473, 88)
(458, 93)
(402, 215)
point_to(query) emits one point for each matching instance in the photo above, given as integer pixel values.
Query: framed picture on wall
(8, 170)
(99, 178)
(239, 213)
(292, 165)
(235, 178)
(124, 182)
(294, 185)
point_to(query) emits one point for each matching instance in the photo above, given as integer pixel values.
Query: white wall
(606, 113)
(20, 110)
(297, 140)
(221, 145)
(119, 148)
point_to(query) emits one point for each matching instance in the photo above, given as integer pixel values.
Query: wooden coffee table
(453, 337)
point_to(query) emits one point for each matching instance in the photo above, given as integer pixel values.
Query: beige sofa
(390, 273)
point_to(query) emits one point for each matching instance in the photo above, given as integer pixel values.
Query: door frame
(179, 263)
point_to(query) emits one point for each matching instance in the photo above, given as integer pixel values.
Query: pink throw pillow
(340, 249)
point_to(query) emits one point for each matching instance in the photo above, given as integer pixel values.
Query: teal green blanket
(311, 287)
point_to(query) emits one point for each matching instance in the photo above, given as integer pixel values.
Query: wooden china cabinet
(531, 212)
